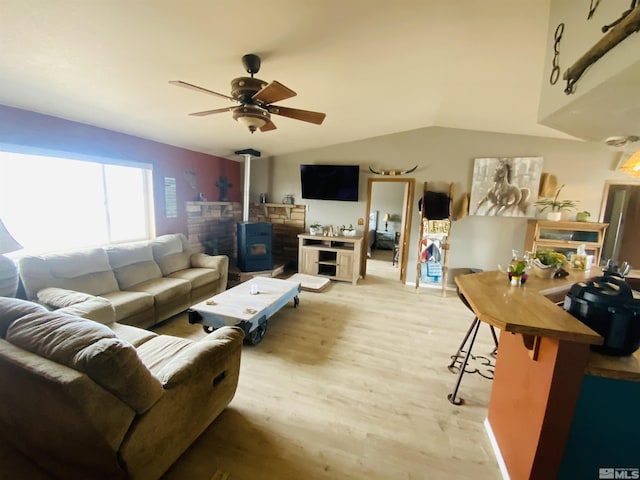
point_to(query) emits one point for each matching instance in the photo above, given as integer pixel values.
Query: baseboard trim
(496, 450)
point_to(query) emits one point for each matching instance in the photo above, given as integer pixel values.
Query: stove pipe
(248, 154)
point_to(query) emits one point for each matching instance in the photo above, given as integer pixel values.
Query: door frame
(603, 207)
(405, 225)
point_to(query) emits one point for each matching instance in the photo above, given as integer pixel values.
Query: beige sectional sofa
(146, 282)
(84, 399)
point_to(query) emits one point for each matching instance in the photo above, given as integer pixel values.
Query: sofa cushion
(198, 277)
(167, 245)
(133, 263)
(170, 253)
(89, 347)
(77, 263)
(14, 308)
(164, 290)
(84, 271)
(133, 335)
(157, 352)
(128, 304)
(115, 365)
(174, 262)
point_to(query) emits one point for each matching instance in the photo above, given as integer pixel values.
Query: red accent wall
(29, 129)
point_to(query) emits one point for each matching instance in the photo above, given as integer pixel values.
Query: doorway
(391, 206)
(621, 210)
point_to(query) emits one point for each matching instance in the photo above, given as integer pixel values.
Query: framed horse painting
(506, 187)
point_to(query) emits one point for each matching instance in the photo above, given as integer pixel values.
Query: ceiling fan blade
(297, 114)
(211, 112)
(180, 83)
(274, 92)
(268, 126)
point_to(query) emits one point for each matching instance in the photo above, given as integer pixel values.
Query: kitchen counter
(557, 409)
(530, 310)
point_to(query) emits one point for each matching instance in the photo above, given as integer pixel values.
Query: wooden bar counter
(549, 415)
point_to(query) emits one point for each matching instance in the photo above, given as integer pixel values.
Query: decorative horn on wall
(393, 173)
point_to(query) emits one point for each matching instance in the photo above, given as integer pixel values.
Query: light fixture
(386, 218)
(251, 116)
(632, 165)
(8, 272)
(621, 140)
(629, 160)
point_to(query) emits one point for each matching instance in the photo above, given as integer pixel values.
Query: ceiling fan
(255, 100)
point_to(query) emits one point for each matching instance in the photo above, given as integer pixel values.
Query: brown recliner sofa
(146, 282)
(83, 399)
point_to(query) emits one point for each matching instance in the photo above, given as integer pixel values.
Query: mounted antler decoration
(393, 173)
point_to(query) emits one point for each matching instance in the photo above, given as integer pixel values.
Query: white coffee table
(238, 306)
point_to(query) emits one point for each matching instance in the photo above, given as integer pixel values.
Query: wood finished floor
(351, 385)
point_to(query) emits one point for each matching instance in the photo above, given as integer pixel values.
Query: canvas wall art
(506, 187)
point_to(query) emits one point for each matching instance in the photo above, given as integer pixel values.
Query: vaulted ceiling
(373, 66)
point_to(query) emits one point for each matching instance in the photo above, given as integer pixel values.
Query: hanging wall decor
(506, 187)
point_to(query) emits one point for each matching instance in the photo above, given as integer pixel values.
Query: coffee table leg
(257, 334)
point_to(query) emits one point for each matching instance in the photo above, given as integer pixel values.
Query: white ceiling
(373, 66)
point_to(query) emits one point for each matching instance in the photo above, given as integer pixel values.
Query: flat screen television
(330, 182)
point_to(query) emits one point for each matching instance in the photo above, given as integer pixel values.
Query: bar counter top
(529, 309)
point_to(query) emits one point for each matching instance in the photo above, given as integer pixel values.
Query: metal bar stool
(486, 365)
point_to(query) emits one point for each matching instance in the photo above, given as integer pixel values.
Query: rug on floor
(310, 283)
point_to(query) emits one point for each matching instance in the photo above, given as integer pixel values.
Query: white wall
(446, 155)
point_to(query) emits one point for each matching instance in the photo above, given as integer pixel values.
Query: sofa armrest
(201, 357)
(80, 304)
(216, 262)
(55, 297)
(199, 382)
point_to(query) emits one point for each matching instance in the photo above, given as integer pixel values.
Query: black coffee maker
(607, 305)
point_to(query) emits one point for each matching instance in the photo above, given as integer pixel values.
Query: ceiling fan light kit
(256, 98)
(251, 117)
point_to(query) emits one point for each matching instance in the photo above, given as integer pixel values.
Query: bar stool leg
(455, 356)
(495, 340)
(453, 396)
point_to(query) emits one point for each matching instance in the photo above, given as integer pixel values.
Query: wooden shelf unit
(287, 208)
(337, 258)
(566, 236)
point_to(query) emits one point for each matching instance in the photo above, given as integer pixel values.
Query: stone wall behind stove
(211, 227)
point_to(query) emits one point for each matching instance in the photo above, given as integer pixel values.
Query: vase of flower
(518, 271)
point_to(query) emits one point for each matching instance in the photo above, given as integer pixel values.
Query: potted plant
(583, 216)
(348, 231)
(556, 206)
(315, 229)
(518, 271)
(547, 263)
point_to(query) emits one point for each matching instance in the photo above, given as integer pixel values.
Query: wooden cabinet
(565, 237)
(337, 258)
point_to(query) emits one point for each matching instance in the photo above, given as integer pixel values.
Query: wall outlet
(361, 221)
